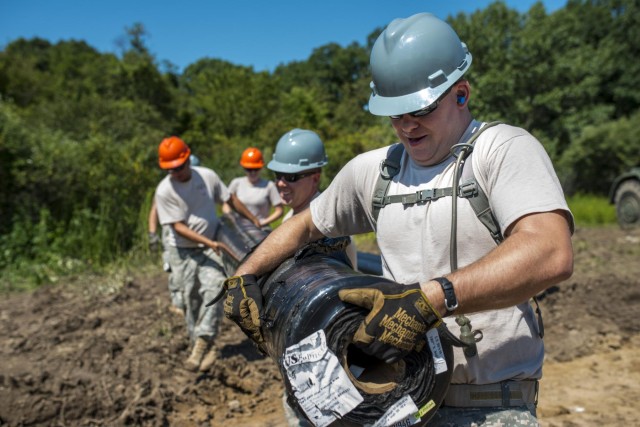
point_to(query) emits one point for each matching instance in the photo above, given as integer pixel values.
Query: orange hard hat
(172, 152)
(251, 158)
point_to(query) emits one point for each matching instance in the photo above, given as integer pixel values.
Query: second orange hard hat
(252, 158)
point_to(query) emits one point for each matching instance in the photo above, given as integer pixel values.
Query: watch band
(450, 300)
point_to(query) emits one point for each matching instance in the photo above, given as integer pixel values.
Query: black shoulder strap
(479, 202)
(389, 167)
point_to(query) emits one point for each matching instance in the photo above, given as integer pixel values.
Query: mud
(95, 352)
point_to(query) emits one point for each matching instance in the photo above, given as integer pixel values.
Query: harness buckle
(468, 189)
(425, 195)
(378, 202)
(388, 168)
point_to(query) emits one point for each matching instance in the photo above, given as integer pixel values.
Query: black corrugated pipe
(301, 298)
(239, 237)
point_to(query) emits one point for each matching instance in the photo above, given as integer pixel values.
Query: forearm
(536, 255)
(281, 244)
(277, 213)
(183, 230)
(239, 207)
(153, 218)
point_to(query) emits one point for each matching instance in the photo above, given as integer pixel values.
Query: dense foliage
(79, 129)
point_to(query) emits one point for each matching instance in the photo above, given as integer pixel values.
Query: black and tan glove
(244, 304)
(400, 317)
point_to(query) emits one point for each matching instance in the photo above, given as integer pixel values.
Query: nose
(408, 123)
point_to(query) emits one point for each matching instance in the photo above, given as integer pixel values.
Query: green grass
(28, 272)
(590, 210)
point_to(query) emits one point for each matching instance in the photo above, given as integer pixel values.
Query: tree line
(79, 129)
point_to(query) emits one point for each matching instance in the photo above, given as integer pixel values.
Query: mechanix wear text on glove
(243, 304)
(400, 317)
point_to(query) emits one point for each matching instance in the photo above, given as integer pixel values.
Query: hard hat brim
(277, 166)
(249, 165)
(403, 104)
(172, 164)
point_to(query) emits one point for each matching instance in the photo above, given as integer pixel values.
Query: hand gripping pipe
(301, 297)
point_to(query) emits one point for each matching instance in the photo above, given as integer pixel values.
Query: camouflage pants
(199, 274)
(175, 289)
(448, 416)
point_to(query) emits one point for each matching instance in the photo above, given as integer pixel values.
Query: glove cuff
(250, 278)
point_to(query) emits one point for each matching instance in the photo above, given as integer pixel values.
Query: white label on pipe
(319, 383)
(439, 362)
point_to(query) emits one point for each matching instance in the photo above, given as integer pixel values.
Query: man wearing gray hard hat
(297, 164)
(469, 216)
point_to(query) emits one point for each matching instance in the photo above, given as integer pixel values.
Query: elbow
(566, 272)
(563, 265)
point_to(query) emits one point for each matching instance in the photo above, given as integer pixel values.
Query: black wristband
(450, 300)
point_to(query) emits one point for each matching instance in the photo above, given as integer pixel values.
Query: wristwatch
(450, 300)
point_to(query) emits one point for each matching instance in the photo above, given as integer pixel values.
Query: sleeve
(222, 195)
(344, 208)
(233, 185)
(517, 175)
(170, 209)
(220, 192)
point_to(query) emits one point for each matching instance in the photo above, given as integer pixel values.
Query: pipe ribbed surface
(240, 236)
(301, 297)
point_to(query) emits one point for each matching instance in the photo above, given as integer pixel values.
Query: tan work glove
(244, 304)
(400, 317)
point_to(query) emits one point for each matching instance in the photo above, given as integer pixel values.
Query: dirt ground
(95, 352)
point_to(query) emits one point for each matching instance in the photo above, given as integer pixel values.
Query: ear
(462, 92)
(316, 178)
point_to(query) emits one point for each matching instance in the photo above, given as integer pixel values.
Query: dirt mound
(90, 353)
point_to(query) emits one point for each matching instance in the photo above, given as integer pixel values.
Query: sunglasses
(252, 169)
(426, 110)
(178, 169)
(293, 177)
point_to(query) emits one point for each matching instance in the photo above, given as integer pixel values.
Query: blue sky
(258, 33)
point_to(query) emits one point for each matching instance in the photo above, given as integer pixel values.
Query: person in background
(297, 165)
(186, 201)
(258, 194)
(418, 67)
(177, 305)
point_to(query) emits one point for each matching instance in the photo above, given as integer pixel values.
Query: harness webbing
(467, 188)
(418, 196)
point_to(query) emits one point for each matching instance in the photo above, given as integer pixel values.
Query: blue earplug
(461, 99)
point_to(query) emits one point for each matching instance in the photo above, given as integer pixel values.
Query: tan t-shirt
(258, 198)
(351, 250)
(193, 202)
(517, 176)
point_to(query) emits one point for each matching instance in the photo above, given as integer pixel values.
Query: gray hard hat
(413, 62)
(195, 161)
(298, 150)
